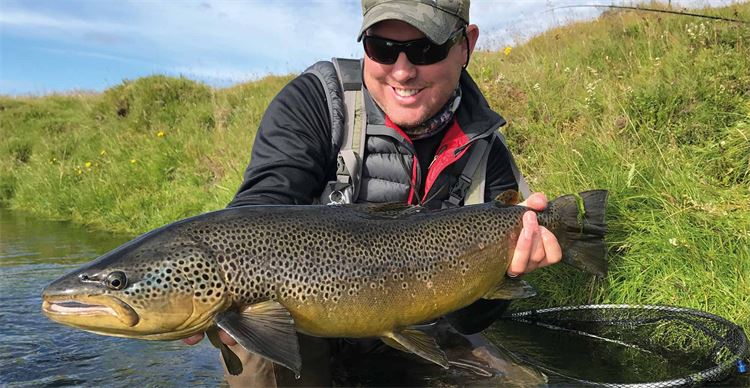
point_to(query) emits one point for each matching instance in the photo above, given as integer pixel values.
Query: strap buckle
(459, 189)
(341, 166)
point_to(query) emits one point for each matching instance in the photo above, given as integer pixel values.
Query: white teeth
(406, 92)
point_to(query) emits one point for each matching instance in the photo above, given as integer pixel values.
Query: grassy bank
(654, 108)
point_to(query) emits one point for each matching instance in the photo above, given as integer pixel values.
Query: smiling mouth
(405, 92)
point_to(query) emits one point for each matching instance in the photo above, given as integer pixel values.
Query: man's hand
(536, 247)
(225, 338)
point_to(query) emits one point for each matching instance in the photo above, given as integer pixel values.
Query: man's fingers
(552, 248)
(524, 245)
(223, 336)
(536, 246)
(192, 340)
(537, 254)
(226, 338)
(536, 201)
(520, 256)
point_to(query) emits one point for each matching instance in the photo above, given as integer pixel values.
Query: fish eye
(116, 280)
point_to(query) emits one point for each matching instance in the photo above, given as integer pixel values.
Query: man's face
(410, 94)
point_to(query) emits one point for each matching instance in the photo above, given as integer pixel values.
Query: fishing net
(627, 345)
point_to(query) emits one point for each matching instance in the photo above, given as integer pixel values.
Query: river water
(34, 351)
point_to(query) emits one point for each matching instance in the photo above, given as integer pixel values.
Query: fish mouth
(77, 311)
(77, 308)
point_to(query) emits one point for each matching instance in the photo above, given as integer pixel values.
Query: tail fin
(581, 234)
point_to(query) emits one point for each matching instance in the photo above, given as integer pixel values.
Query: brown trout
(262, 273)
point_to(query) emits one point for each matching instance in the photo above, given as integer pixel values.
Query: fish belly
(396, 300)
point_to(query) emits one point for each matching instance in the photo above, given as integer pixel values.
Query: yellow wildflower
(160, 134)
(88, 164)
(132, 161)
(507, 50)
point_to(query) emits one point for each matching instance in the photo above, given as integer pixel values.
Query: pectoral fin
(510, 288)
(266, 329)
(233, 363)
(418, 343)
(392, 343)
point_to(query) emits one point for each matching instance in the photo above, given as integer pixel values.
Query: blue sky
(64, 45)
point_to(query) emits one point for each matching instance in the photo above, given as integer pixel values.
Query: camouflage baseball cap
(437, 19)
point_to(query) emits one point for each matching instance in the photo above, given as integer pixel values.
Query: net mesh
(659, 346)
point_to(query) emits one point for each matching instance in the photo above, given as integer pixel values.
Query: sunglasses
(419, 51)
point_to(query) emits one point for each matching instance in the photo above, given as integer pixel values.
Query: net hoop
(734, 340)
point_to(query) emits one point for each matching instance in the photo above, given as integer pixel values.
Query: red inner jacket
(447, 154)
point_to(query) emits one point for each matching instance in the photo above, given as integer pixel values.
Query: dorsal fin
(389, 209)
(509, 197)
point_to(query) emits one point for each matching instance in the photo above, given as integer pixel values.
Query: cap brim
(434, 23)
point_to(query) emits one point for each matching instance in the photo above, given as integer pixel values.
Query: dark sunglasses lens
(425, 53)
(381, 51)
(419, 52)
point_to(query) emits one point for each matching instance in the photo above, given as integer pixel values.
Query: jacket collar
(475, 117)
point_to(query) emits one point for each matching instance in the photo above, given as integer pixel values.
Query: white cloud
(91, 54)
(36, 20)
(281, 33)
(241, 40)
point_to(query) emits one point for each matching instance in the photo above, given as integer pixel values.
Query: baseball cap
(437, 19)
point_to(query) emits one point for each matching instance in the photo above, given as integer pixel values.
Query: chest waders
(348, 108)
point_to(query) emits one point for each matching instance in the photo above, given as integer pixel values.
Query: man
(425, 115)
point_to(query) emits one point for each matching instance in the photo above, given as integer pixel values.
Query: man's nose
(403, 70)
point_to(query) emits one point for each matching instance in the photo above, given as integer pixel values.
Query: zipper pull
(437, 154)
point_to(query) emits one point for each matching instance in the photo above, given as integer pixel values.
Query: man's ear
(472, 35)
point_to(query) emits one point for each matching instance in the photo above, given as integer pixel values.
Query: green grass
(654, 108)
(139, 155)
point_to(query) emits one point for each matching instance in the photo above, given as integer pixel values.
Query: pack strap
(470, 185)
(478, 181)
(461, 187)
(349, 72)
(349, 159)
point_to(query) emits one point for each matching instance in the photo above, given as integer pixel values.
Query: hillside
(653, 107)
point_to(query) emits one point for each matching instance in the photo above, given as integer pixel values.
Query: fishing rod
(653, 10)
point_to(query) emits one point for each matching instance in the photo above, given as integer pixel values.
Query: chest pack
(350, 107)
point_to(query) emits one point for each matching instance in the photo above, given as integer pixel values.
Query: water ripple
(36, 352)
